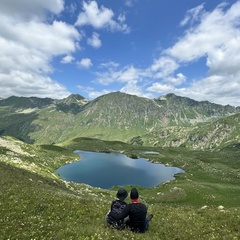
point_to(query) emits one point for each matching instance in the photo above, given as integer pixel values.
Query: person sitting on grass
(137, 212)
(117, 207)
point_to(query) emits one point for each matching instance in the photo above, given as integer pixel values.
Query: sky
(147, 48)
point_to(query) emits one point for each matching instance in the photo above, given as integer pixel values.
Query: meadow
(202, 203)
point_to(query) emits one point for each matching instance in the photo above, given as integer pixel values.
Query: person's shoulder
(124, 203)
(144, 207)
(143, 204)
(118, 202)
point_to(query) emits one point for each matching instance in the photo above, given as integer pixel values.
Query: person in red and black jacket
(137, 212)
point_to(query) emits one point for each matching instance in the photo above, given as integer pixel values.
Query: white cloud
(215, 88)
(193, 15)
(92, 15)
(107, 77)
(130, 74)
(25, 9)
(125, 75)
(19, 83)
(92, 93)
(94, 41)
(160, 88)
(214, 36)
(121, 18)
(72, 7)
(99, 18)
(67, 59)
(109, 65)
(28, 43)
(95, 94)
(213, 33)
(163, 67)
(132, 80)
(85, 63)
(175, 81)
(132, 88)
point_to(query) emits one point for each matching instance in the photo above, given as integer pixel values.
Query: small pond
(106, 170)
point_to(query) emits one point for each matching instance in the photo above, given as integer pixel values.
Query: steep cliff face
(167, 121)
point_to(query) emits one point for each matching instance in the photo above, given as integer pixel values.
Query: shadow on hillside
(20, 126)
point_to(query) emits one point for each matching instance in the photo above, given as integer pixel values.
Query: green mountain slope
(167, 121)
(24, 102)
(186, 111)
(210, 135)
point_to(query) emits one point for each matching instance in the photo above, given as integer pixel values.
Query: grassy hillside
(202, 203)
(170, 120)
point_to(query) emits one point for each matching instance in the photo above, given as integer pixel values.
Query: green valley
(39, 135)
(202, 203)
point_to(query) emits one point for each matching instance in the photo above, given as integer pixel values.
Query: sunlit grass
(202, 203)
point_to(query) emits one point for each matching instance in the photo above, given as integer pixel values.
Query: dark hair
(121, 194)
(134, 193)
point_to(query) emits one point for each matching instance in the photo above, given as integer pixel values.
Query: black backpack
(116, 208)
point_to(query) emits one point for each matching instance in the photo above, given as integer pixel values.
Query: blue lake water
(106, 170)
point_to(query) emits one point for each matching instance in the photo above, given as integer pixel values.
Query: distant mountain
(25, 102)
(73, 103)
(169, 120)
(190, 109)
(209, 135)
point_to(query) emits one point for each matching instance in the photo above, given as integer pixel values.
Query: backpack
(116, 208)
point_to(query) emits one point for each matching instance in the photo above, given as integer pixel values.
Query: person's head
(134, 193)
(122, 194)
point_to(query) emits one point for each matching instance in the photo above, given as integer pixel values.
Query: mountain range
(167, 121)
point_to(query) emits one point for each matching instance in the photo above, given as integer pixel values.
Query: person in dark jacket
(117, 207)
(137, 212)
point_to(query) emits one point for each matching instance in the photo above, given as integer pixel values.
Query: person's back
(136, 211)
(137, 216)
(117, 207)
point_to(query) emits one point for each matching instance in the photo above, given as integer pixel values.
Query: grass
(38, 205)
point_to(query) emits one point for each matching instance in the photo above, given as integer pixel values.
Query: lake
(106, 170)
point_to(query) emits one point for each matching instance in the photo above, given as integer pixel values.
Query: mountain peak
(116, 94)
(73, 98)
(76, 96)
(167, 96)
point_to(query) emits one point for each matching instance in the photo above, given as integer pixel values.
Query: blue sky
(146, 48)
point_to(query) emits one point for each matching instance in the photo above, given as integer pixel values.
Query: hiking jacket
(117, 207)
(137, 216)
